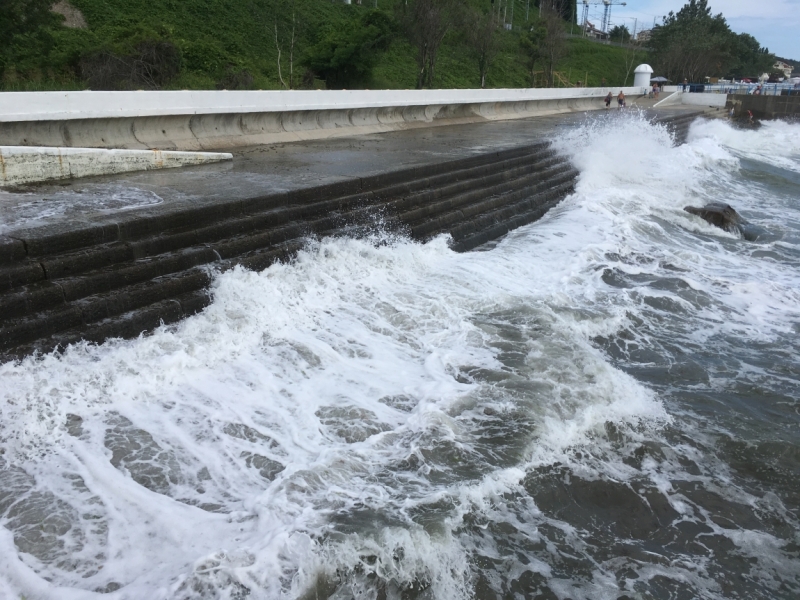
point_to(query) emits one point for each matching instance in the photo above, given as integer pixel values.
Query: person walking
(609, 97)
(621, 99)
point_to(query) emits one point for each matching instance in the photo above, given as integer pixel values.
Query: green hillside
(231, 44)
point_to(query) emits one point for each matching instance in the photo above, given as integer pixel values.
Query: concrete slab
(28, 164)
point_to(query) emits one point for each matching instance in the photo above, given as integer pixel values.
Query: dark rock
(718, 214)
(725, 217)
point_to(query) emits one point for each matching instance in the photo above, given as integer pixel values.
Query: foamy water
(603, 403)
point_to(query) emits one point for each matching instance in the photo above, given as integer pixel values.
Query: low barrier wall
(691, 99)
(212, 120)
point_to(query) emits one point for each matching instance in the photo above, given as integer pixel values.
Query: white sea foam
(315, 427)
(775, 142)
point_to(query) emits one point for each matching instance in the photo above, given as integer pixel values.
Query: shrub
(151, 66)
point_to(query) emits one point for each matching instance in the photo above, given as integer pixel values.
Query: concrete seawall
(124, 273)
(214, 120)
(765, 107)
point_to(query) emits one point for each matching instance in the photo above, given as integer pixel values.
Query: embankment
(119, 277)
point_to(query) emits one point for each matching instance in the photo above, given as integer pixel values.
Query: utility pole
(585, 16)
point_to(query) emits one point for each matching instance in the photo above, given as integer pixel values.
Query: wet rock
(718, 214)
(350, 423)
(266, 467)
(134, 450)
(725, 217)
(605, 509)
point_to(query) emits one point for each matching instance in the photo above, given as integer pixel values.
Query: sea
(604, 404)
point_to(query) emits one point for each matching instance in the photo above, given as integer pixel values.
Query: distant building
(782, 66)
(593, 32)
(644, 35)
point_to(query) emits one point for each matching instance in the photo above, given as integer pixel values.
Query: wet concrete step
(34, 243)
(145, 241)
(679, 125)
(87, 269)
(470, 206)
(109, 290)
(70, 288)
(499, 222)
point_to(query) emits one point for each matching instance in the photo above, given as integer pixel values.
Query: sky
(774, 23)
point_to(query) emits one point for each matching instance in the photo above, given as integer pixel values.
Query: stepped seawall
(125, 274)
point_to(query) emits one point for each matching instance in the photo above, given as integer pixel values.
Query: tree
(480, 33)
(545, 42)
(776, 76)
(631, 58)
(619, 33)
(552, 42)
(693, 44)
(426, 22)
(345, 58)
(530, 44)
(568, 9)
(23, 20)
(150, 64)
(749, 58)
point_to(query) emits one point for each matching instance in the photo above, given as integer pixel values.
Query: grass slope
(219, 37)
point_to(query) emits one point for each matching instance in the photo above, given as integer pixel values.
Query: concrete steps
(93, 282)
(96, 280)
(679, 124)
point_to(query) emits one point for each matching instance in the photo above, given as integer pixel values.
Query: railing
(765, 89)
(630, 45)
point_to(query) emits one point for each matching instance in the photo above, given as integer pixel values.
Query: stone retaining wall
(765, 107)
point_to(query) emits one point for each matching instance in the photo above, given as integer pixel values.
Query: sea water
(603, 404)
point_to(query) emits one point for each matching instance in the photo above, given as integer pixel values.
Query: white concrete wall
(58, 106)
(23, 164)
(215, 120)
(711, 100)
(692, 99)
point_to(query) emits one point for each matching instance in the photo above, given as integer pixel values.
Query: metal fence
(765, 89)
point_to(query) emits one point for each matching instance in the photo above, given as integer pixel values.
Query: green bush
(345, 58)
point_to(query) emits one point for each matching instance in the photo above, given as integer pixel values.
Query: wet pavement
(263, 170)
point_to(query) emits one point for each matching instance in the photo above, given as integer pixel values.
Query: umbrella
(659, 79)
